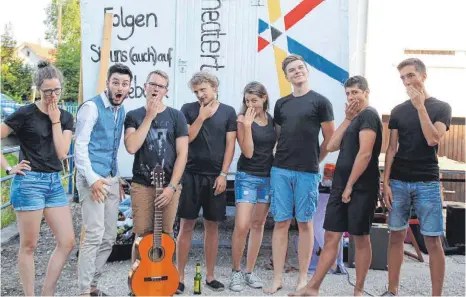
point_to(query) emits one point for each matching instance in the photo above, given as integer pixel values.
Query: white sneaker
(236, 281)
(253, 280)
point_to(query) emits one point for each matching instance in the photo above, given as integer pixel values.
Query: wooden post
(80, 90)
(59, 21)
(105, 52)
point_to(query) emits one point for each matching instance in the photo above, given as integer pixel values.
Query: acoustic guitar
(154, 274)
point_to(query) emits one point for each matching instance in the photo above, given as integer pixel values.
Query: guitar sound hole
(156, 254)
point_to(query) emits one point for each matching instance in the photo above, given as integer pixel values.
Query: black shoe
(180, 289)
(98, 292)
(215, 285)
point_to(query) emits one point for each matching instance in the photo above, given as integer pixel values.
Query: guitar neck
(158, 222)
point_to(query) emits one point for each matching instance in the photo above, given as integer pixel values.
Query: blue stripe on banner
(262, 26)
(317, 61)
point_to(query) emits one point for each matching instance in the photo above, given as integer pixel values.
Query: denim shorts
(251, 188)
(37, 190)
(424, 197)
(293, 190)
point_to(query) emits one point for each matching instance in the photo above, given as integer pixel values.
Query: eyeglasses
(156, 86)
(48, 92)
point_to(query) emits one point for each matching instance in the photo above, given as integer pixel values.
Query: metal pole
(71, 160)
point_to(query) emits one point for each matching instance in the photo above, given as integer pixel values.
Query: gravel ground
(415, 276)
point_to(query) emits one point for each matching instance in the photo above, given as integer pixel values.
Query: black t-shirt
(159, 145)
(300, 119)
(264, 138)
(207, 150)
(349, 148)
(34, 131)
(416, 160)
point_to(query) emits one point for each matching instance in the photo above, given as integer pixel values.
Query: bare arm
(193, 130)
(229, 151)
(328, 129)
(245, 138)
(5, 130)
(366, 140)
(335, 141)
(432, 132)
(390, 154)
(134, 138)
(181, 159)
(61, 141)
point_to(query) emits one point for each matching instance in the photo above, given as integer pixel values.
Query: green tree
(16, 78)
(67, 60)
(68, 56)
(71, 21)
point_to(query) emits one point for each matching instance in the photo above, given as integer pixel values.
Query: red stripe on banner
(261, 44)
(297, 13)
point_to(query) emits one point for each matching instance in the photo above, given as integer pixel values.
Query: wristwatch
(8, 169)
(173, 187)
(223, 174)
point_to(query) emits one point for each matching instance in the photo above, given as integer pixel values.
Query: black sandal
(215, 285)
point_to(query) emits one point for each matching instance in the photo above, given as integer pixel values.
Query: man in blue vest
(99, 126)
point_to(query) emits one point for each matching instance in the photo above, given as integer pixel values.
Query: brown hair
(45, 70)
(203, 77)
(418, 64)
(292, 58)
(258, 89)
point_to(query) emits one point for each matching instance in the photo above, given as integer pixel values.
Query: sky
(28, 24)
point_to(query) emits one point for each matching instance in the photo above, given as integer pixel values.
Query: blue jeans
(251, 188)
(37, 190)
(425, 197)
(293, 189)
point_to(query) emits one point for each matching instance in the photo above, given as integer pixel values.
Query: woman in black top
(256, 138)
(44, 132)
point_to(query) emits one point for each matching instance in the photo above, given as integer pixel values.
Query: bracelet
(223, 174)
(56, 123)
(173, 187)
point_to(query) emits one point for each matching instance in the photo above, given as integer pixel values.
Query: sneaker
(388, 293)
(215, 285)
(180, 289)
(236, 281)
(253, 280)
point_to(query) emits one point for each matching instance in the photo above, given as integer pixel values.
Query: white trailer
(237, 40)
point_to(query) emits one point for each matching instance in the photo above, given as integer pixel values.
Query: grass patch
(7, 214)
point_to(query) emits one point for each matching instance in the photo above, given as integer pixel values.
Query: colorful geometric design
(297, 13)
(274, 10)
(261, 43)
(262, 26)
(291, 45)
(285, 86)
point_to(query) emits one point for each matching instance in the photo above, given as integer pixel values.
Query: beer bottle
(197, 280)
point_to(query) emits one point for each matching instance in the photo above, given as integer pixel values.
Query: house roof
(47, 53)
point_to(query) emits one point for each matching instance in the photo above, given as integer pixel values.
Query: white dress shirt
(85, 121)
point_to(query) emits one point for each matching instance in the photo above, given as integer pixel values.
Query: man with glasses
(157, 135)
(99, 126)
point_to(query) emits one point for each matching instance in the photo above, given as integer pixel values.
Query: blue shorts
(293, 189)
(37, 190)
(425, 197)
(251, 188)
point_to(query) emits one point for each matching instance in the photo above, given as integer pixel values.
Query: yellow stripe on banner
(285, 86)
(274, 10)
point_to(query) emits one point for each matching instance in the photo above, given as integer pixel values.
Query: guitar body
(156, 275)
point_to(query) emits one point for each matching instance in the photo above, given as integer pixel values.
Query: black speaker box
(455, 224)
(379, 241)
